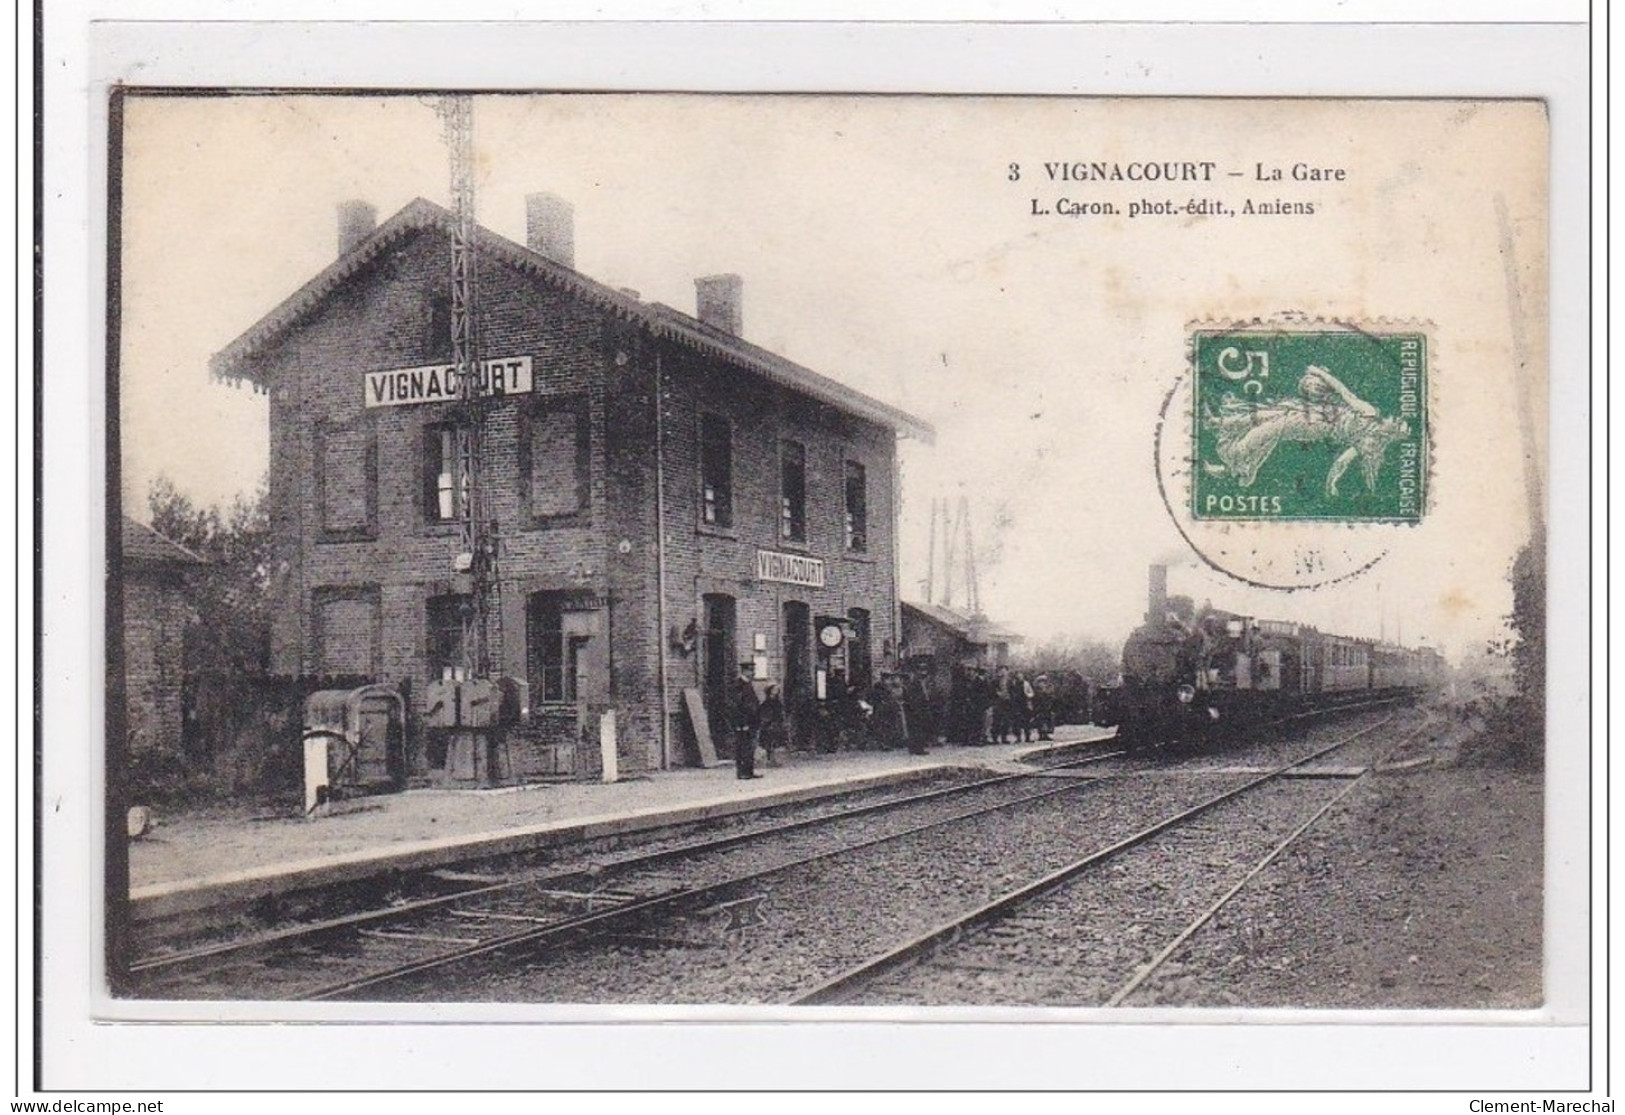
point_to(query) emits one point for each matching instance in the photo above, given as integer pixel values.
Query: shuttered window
(556, 458)
(347, 480)
(347, 634)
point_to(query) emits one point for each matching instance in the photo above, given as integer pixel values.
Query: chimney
(357, 219)
(550, 228)
(718, 299)
(1156, 612)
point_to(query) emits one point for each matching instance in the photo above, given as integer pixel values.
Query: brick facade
(704, 560)
(574, 474)
(156, 614)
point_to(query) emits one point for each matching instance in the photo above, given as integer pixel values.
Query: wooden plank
(697, 719)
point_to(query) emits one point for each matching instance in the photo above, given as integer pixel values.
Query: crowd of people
(998, 706)
(978, 707)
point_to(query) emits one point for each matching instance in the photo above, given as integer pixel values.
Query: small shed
(156, 612)
(954, 638)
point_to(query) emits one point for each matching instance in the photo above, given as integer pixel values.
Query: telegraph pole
(477, 540)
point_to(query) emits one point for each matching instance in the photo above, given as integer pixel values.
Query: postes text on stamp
(1309, 425)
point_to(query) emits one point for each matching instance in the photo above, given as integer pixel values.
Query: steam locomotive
(1188, 678)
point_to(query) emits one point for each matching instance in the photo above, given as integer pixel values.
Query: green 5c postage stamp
(1318, 425)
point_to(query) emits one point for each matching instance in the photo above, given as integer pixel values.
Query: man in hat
(743, 713)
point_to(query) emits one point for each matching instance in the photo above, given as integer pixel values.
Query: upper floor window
(557, 458)
(445, 472)
(857, 508)
(716, 471)
(346, 475)
(793, 491)
(437, 326)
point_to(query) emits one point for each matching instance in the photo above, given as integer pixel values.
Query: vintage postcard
(647, 553)
(576, 445)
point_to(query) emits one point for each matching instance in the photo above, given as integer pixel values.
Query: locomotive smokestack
(1156, 609)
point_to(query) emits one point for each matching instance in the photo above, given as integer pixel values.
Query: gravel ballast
(1422, 891)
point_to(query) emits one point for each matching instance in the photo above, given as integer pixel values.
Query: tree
(229, 594)
(1528, 620)
(1097, 661)
(1515, 723)
(1526, 714)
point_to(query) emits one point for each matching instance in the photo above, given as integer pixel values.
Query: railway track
(1012, 942)
(834, 913)
(697, 897)
(484, 915)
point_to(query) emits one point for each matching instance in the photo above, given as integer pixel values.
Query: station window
(445, 627)
(557, 458)
(348, 636)
(857, 508)
(445, 472)
(437, 324)
(347, 480)
(556, 654)
(545, 640)
(716, 471)
(793, 491)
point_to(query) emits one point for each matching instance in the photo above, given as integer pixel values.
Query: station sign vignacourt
(440, 383)
(789, 569)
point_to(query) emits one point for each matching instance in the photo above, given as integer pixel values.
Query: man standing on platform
(743, 713)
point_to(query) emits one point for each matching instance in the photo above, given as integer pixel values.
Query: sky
(891, 243)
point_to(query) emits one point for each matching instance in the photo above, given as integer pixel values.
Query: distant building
(156, 613)
(954, 638)
(670, 499)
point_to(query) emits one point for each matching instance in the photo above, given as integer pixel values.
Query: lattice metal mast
(478, 541)
(972, 589)
(931, 558)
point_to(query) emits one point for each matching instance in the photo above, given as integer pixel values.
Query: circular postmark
(1290, 455)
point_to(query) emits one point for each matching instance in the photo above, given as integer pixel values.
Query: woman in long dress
(1248, 433)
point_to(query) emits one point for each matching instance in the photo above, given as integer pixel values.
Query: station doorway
(798, 676)
(719, 660)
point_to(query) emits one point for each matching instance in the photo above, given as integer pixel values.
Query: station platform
(193, 862)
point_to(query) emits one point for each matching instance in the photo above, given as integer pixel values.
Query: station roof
(146, 546)
(974, 629)
(237, 360)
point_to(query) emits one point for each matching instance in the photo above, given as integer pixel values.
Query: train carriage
(1194, 677)
(1345, 664)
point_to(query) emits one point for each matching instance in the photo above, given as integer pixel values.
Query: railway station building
(668, 499)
